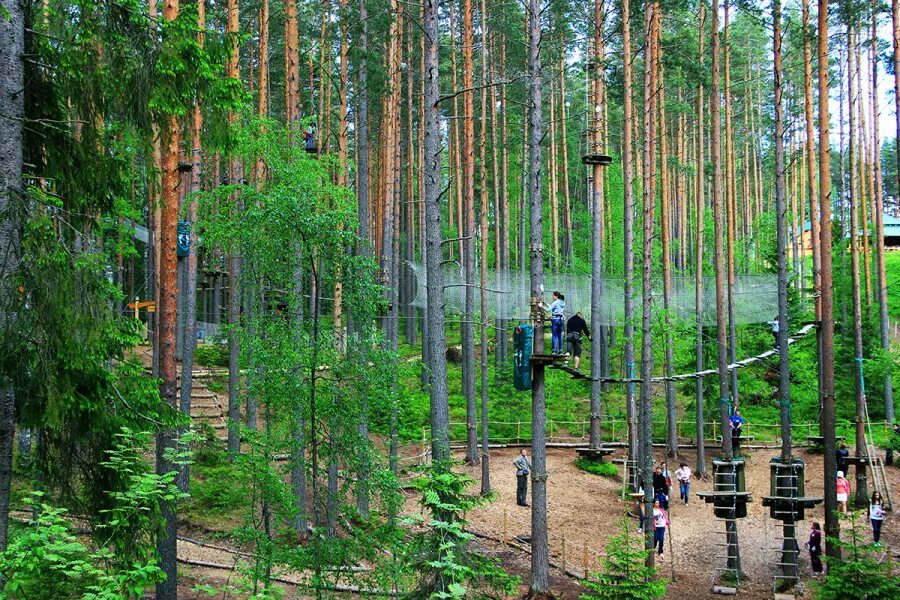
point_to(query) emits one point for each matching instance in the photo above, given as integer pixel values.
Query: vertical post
(585, 562)
(505, 528)
(423, 459)
(564, 554)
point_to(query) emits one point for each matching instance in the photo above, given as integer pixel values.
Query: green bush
(861, 571)
(217, 489)
(597, 468)
(211, 355)
(625, 575)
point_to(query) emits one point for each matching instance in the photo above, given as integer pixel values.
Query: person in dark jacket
(814, 544)
(575, 328)
(660, 489)
(841, 455)
(523, 468)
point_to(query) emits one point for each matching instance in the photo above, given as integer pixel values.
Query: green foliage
(47, 560)
(862, 571)
(216, 490)
(211, 355)
(625, 575)
(441, 553)
(597, 468)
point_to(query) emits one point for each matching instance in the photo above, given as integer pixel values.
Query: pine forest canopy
(367, 185)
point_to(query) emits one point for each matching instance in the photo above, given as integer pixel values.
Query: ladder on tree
(789, 545)
(728, 485)
(879, 478)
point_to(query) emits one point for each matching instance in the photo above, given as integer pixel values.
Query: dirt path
(587, 509)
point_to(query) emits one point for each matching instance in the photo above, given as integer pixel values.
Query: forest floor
(586, 509)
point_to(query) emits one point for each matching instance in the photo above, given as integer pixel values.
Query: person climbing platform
(523, 468)
(683, 474)
(841, 455)
(814, 545)
(660, 522)
(575, 328)
(737, 425)
(775, 327)
(557, 310)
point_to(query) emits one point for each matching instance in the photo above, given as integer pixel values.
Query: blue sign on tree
(184, 238)
(523, 344)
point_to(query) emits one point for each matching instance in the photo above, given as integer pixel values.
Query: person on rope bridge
(737, 424)
(523, 468)
(557, 309)
(575, 328)
(660, 522)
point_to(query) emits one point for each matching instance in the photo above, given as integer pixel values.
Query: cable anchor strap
(596, 415)
(862, 378)
(539, 476)
(726, 402)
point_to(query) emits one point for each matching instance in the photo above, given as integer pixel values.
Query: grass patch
(595, 468)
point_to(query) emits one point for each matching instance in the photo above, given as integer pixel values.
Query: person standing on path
(557, 309)
(575, 328)
(843, 492)
(660, 522)
(523, 468)
(814, 545)
(876, 516)
(683, 475)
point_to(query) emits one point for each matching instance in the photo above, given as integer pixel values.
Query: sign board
(184, 238)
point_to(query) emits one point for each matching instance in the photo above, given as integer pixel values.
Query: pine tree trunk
(645, 420)
(597, 217)
(734, 563)
(789, 553)
(12, 119)
(832, 525)
(884, 321)
(540, 557)
(440, 419)
(190, 304)
(483, 319)
(628, 184)
(569, 250)
(665, 226)
(730, 210)
(409, 311)
(235, 177)
(700, 208)
(166, 542)
(855, 199)
(468, 233)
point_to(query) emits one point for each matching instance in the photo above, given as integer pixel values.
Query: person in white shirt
(683, 474)
(557, 310)
(876, 516)
(660, 522)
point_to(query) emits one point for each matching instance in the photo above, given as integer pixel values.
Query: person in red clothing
(843, 492)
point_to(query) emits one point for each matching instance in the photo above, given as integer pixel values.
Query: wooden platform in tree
(553, 360)
(713, 496)
(818, 440)
(805, 502)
